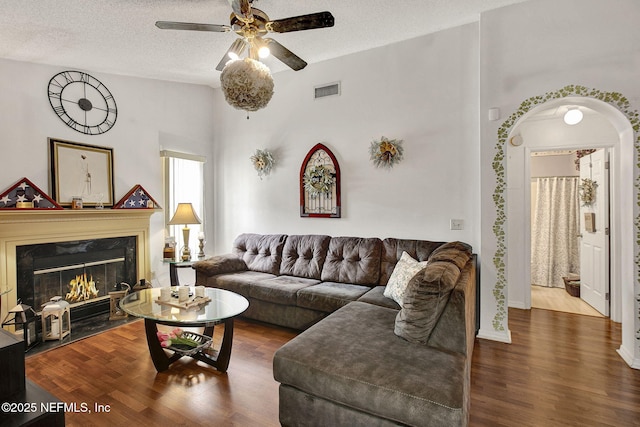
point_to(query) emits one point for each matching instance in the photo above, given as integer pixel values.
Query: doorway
(511, 255)
(543, 129)
(557, 231)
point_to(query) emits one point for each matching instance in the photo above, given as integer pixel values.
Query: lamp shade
(185, 214)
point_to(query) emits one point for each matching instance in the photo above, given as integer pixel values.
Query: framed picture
(590, 222)
(81, 170)
(320, 184)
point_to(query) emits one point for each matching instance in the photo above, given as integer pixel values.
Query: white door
(594, 245)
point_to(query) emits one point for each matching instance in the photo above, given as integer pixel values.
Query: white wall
(532, 49)
(423, 91)
(553, 165)
(152, 115)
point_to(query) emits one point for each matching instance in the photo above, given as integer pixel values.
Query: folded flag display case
(137, 198)
(26, 195)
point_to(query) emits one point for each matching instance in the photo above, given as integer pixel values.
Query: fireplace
(82, 272)
(24, 227)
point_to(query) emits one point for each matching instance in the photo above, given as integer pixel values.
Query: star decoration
(5, 200)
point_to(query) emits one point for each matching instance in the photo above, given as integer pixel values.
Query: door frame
(622, 199)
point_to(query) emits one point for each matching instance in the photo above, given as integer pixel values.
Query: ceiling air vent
(327, 90)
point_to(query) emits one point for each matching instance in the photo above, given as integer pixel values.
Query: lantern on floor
(25, 317)
(120, 291)
(56, 319)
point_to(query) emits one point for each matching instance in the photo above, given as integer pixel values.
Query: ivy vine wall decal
(614, 99)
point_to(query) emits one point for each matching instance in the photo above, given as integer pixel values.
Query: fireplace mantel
(29, 227)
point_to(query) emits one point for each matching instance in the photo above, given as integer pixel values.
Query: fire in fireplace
(81, 272)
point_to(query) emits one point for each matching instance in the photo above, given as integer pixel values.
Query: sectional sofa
(363, 358)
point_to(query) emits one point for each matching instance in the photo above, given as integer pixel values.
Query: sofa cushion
(280, 290)
(426, 298)
(403, 272)
(375, 296)
(456, 252)
(353, 260)
(304, 255)
(220, 264)
(392, 251)
(238, 282)
(329, 296)
(261, 252)
(353, 357)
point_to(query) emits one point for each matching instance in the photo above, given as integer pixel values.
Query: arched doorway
(509, 196)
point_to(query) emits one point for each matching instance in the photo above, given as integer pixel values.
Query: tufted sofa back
(356, 260)
(392, 249)
(304, 255)
(261, 252)
(353, 260)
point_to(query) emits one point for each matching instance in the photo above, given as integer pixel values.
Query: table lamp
(185, 214)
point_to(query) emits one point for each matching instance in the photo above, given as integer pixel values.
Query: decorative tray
(186, 350)
(193, 303)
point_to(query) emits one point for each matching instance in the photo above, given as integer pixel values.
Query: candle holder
(201, 246)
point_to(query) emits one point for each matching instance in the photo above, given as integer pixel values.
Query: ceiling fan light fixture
(247, 84)
(236, 49)
(573, 116)
(264, 52)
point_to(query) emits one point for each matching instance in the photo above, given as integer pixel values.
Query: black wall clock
(82, 102)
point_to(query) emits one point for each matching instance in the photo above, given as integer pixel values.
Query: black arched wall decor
(320, 184)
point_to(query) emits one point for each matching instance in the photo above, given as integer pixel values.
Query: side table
(173, 270)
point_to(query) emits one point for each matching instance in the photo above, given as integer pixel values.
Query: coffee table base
(162, 361)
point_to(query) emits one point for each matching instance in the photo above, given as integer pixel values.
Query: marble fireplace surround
(30, 227)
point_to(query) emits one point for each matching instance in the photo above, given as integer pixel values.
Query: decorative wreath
(588, 191)
(247, 84)
(318, 180)
(386, 152)
(263, 162)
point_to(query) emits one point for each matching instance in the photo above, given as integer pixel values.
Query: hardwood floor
(561, 370)
(115, 369)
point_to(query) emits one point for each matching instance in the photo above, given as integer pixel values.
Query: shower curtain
(554, 231)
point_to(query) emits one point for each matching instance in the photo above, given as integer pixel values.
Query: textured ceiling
(119, 36)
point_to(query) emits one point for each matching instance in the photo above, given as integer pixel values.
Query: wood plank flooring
(558, 299)
(560, 370)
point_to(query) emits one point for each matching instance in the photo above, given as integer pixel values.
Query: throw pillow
(406, 268)
(427, 295)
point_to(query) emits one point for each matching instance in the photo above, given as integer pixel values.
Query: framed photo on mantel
(81, 171)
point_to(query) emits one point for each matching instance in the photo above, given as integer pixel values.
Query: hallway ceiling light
(573, 116)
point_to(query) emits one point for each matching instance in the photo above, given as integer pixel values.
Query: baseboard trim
(627, 356)
(501, 336)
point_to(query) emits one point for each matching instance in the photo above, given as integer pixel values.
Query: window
(183, 183)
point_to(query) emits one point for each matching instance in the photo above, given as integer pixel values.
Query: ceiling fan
(252, 25)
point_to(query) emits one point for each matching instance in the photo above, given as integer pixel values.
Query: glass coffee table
(222, 308)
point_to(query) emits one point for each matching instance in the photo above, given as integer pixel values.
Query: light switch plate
(457, 224)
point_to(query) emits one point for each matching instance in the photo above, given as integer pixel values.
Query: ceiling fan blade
(237, 47)
(303, 22)
(285, 55)
(170, 25)
(242, 9)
